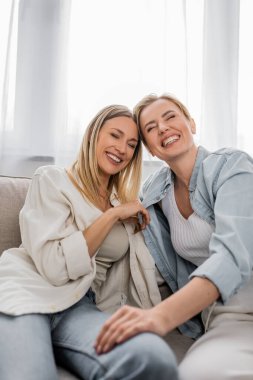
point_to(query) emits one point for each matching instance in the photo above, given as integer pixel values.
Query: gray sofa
(12, 195)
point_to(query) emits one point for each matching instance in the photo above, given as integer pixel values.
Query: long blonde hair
(84, 172)
(149, 99)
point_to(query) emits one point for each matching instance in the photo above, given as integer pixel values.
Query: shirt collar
(201, 155)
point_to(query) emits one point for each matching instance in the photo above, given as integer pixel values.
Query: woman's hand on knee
(126, 323)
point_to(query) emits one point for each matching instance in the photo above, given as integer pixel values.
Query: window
(120, 51)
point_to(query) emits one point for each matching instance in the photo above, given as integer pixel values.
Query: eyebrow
(166, 113)
(122, 133)
(149, 123)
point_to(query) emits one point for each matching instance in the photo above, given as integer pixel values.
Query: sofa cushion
(12, 196)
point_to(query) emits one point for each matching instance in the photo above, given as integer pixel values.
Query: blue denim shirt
(221, 192)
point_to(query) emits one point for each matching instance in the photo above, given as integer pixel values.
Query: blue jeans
(31, 344)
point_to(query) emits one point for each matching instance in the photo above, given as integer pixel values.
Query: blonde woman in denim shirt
(201, 237)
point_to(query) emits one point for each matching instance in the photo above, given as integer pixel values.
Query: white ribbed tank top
(190, 237)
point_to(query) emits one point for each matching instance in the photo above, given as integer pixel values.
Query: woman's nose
(121, 147)
(162, 127)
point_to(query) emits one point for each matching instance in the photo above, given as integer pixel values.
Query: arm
(161, 319)
(97, 231)
(230, 263)
(226, 270)
(50, 234)
(186, 303)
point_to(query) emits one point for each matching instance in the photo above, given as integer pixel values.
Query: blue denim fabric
(30, 344)
(221, 192)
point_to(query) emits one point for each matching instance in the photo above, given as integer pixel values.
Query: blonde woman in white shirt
(79, 255)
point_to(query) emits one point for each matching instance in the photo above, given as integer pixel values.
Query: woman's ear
(193, 126)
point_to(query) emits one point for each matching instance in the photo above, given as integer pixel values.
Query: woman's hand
(130, 212)
(127, 322)
(99, 229)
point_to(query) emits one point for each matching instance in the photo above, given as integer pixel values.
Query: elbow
(56, 280)
(52, 265)
(54, 277)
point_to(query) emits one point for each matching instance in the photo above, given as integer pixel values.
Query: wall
(25, 167)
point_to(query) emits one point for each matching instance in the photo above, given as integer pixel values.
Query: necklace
(105, 197)
(105, 201)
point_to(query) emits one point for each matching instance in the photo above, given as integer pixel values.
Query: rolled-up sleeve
(49, 232)
(230, 263)
(74, 246)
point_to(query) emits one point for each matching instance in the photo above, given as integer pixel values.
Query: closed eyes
(116, 136)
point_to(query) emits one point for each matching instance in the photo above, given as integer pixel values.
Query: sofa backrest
(12, 196)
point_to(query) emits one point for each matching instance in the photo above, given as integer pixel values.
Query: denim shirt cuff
(224, 274)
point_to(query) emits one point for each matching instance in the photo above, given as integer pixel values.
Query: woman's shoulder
(156, 182)
(50, 170)
(51, 177)
(225, 163)
(158, 175)
(231, 156)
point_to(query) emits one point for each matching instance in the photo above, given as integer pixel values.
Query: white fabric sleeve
(49, 232)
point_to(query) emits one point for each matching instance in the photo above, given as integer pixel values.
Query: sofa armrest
(12, 196)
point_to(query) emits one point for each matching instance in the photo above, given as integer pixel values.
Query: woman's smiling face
(167, 132)
(116, 145)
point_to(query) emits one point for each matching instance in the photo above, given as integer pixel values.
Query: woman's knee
(221, 367)
(26, 341)
(154, 355)
(144, 357)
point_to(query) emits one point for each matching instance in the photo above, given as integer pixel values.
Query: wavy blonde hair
(84, 172)
(151, 98)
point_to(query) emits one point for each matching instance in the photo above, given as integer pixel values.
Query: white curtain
(220, 75)
(62, 60)
(129, 49)
(37, 100)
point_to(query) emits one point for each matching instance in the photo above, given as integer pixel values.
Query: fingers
(135, 221)
(108, 339)
(116, 316)
(124, 324)
(124, 331)
(142, 216)
(143, 220)
(135, 213)
(121, 326)
(145, 217)
(130, 329)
